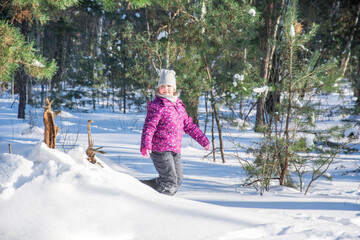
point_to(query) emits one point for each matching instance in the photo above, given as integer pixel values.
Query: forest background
(262, 56)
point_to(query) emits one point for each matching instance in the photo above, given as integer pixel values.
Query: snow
(36, 63)
(352, 131)
(252, 12)
(237, 78)
(162, 34)
(51, 194)
(309, 140)
(292, 31)
(261, 89)
(297, 102)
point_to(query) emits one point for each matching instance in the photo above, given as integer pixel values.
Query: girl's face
(166, 90)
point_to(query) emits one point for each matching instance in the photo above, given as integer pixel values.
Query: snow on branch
(261, 90)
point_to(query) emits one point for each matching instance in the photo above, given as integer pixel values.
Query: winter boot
(151, 183)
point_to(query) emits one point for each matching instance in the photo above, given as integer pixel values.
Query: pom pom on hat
(167, 77)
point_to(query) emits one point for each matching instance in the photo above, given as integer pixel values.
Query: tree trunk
(216, 115)
(285, 163)
(213, 136)
(267, 60)
(167, 57)
(13, 89)
(99, 35)
(274, 79)
(192, 103)
(29, 96)
(124, 94)
(113, 91)
(59, 53)
(206, 111)
(42, 94)
(259, 121)
(345, 60)
(124, 61)
(356, 89)
(21, 86)
(21, 79)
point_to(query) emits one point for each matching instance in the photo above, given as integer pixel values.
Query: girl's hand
(145, 152)
(207, 147)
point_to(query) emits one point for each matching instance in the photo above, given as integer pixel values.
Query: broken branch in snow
(51, 129)
(90, 151)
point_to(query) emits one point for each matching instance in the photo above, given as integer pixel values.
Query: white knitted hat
(167, 77)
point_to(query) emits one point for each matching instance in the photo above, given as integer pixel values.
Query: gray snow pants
(168, 165)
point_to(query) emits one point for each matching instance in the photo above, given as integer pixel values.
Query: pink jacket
(164, 126)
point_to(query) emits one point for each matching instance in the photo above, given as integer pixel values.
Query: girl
(162, 134)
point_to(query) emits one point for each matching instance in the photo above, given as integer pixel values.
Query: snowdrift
(52, 195)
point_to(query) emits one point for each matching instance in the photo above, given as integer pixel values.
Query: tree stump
(51, 129)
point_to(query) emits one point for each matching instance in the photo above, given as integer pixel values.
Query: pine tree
(302, 75)
(211, 42)
(338, 34)
(17, 53)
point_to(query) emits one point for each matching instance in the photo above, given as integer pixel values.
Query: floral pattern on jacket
(164, 126)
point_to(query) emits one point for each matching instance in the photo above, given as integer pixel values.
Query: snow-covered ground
(48, 194)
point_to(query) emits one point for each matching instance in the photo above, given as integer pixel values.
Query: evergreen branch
(191, 16)
(309, 74)
(171, 19)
